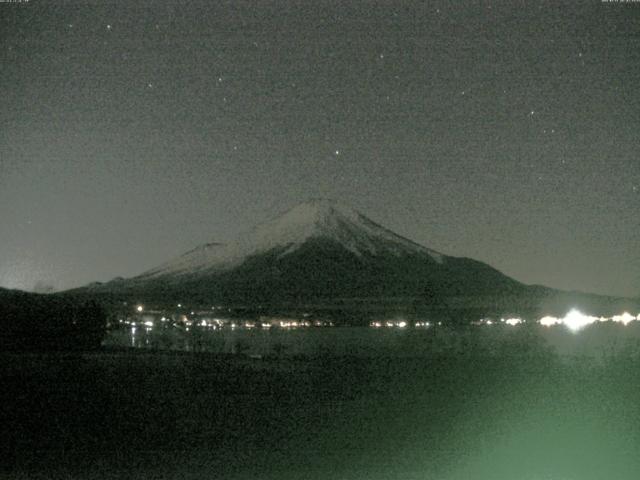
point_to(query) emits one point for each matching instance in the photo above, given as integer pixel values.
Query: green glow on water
(488, 404)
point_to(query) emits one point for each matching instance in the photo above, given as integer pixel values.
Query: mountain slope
(317, 219)
(324, 257)
(319, 251)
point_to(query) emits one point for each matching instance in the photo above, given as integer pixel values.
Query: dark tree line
(30, 322)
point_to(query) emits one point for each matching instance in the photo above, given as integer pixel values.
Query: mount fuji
(318, 253)
(317, 220)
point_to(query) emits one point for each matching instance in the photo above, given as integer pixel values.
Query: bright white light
(513, 321)
(148, 323)
(625, 318)
(576, 320)
(402, 324)
(139, 308)
(550, 321)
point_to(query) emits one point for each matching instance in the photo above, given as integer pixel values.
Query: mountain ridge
(312, 219)
(329, 256)
(319, 250)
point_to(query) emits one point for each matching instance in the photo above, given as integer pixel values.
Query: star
(149, 85)
(109, 27)
(337, 152)
(381, 56)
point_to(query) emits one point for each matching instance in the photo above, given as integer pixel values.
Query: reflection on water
(596, 341)
(133, 336)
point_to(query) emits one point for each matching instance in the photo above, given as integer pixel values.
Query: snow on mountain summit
(322, 219)
(330, 219)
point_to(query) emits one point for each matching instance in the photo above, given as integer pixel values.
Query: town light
(549, 321)
(576, 320)
(625, 318)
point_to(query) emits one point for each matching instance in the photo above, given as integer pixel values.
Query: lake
(594, 341)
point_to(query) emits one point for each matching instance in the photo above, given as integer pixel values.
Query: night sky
(133, 131)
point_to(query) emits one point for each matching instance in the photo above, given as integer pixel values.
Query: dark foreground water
(503, 409)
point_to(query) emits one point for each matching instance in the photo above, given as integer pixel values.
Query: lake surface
(156, 415)
(479, 403)
(594, 341)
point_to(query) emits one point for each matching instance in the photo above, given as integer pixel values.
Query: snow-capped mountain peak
(320, 218)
